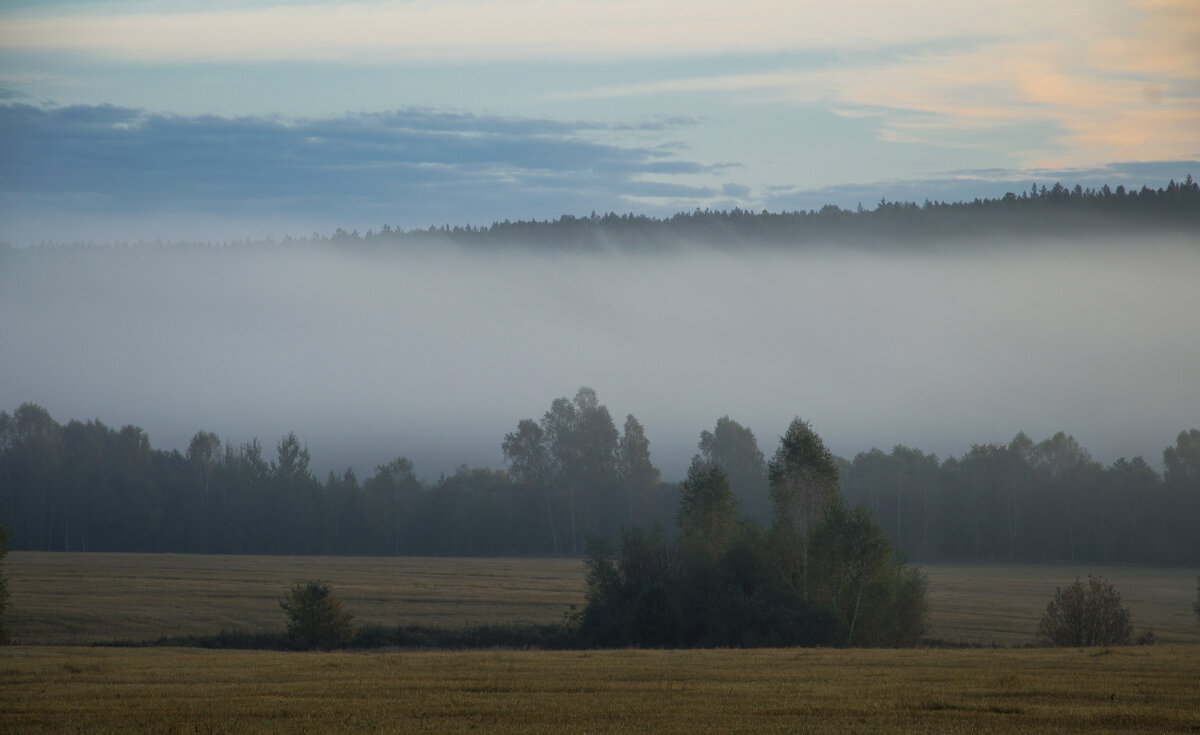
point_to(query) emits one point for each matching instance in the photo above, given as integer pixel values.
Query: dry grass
(62, 598)
(1002, 603)
(50, 689)
(79, 598)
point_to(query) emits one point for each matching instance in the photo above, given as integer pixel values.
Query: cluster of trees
(84, 486)
(821, 574)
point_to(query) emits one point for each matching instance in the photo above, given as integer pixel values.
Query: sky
(139, 120)
(221, 121)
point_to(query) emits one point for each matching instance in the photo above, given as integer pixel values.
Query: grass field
(60, 598)
(1122, 690)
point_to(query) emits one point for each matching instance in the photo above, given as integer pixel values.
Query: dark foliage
(374, 637)
(89, 487)
(724, 581)
(1054, 211)
(550, 637)
(1086, 615)
(316, 616)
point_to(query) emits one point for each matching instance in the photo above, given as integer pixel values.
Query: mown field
(1122, 690)
(70, 599)
(67, 598)
(48, 685)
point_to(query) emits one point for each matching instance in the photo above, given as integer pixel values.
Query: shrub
(1090, 615)
(316, 618)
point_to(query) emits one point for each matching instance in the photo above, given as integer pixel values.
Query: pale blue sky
(240, 119)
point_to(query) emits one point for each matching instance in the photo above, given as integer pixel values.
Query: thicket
(822, 574)
(1086, 615)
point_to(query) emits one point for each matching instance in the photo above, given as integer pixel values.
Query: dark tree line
(1057, 211)
(571, 474)
(1034, 501)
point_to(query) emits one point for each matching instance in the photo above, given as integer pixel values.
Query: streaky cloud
(409, 166)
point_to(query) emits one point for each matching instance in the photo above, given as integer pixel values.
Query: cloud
(480, 30)
(1120, 81)
(1065, 84)
(419, 166)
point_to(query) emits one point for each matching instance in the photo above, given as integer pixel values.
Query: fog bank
(436, 355)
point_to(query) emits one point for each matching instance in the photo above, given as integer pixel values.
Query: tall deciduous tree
(638, 475)
(803, 479)
(708, 510)
(733, 448)
(530, 464)
(579, 448)
(390, 495)
(204, 456)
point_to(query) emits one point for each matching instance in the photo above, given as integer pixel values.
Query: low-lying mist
(436, 355)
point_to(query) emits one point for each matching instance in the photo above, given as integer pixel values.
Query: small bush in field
(316, 617)
(1086, 615)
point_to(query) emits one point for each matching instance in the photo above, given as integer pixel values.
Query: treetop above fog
(1057, 211)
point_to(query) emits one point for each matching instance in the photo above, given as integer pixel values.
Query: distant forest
(571, 475)
(1056, 211)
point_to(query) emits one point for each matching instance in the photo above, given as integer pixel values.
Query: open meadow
(70, 598)
(1121, 690)
(52, 681)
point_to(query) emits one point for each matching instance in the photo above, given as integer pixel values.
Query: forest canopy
(570, 476)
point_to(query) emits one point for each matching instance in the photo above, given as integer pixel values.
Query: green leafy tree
(638, 475)
(708, 511)
(850, 553)
(733, 448)
(316, 616)
(204, 456)
(530, 464)
(389, 498)
(574, 450)
(1090, 615)
(875, 598)
(803, 479)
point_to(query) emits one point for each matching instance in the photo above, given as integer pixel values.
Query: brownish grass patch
(52, 689)
(70, 598)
